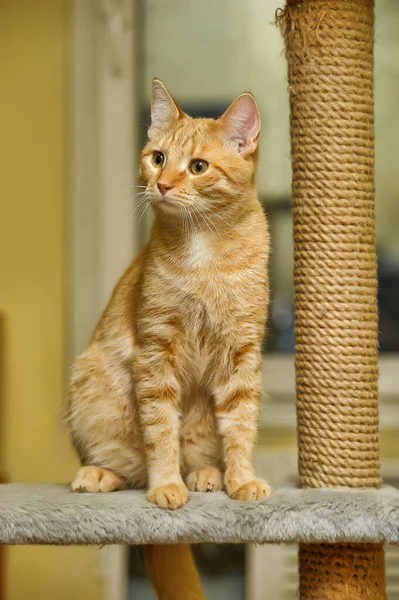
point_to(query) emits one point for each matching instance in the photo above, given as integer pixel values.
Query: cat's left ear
(240, 124)
(164, 110)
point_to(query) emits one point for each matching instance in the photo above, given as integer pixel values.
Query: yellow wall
(33, 167)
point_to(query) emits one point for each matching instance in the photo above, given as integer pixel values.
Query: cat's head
(199, 163)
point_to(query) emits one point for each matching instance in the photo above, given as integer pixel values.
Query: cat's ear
(240, 124)
(164, 110)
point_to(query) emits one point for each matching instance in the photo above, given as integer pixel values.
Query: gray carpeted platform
(51, 514)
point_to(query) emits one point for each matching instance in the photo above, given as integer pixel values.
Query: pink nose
(164, 187)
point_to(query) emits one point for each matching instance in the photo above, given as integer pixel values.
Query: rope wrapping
(329, 48)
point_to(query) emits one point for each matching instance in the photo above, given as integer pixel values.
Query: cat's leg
(237, 399)
(158, 394)
(201, 446)
(104, 427)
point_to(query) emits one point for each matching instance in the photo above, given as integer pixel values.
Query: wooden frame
(104, 109)
(104, 133)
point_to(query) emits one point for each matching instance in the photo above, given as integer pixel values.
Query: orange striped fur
(167, 393)
(170, 382)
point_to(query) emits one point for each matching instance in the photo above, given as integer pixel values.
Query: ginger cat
(166, 396)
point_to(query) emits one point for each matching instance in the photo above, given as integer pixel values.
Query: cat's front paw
(169, 496)
(208, 479)
(95, 479)
(254, 489)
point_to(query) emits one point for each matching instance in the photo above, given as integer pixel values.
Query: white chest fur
(198, 252)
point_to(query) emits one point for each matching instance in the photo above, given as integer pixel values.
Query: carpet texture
(51, 514)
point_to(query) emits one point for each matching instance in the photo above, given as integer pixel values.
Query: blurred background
(75, 93)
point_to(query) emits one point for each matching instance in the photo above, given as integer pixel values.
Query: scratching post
(329, 47)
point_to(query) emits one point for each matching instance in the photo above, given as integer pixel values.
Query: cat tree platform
(51, 514)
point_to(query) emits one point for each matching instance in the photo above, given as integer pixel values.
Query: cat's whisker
(194, 213)
(138, 200)
(182, 217)
(192, 221)
(211, 226)
(142, 214)
(201, 212)
(184, 222)
(115, 214)
(131, 186)
(140, 204)
(133, 196)
(187, 221)
(226, 222)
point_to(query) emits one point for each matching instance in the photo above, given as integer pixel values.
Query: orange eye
(198, 167)
(158, 159)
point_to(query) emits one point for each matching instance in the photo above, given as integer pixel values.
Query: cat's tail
(172, 571)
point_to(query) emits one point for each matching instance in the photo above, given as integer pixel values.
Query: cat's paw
(96, 479)
(169, 496)
(250, 490)
(208, 479)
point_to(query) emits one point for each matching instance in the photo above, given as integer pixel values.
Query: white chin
(168, 207)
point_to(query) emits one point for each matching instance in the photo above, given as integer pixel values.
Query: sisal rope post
(329, 48)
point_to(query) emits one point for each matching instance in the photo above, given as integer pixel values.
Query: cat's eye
(197, 167)
(158, 159)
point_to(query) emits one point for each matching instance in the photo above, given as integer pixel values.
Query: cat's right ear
(240, 125)
(164, 110)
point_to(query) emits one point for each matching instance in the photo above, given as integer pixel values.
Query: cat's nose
(164, 187)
